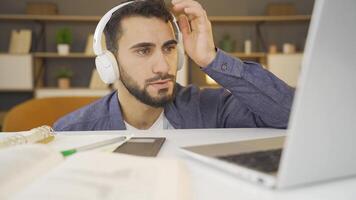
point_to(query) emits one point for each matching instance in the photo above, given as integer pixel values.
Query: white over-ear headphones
(105, 61)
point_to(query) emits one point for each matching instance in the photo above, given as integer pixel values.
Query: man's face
(147, 57)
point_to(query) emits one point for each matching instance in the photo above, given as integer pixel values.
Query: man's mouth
(161, 84)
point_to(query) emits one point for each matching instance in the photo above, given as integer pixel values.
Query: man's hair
(145, 8)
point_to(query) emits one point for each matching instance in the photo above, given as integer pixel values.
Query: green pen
(69, 152)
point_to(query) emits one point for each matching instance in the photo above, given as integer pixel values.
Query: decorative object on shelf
(63, 76)
(248, 47)
(289, 48)
(89, 46)
(64, 39)
(20, 41)
(278, 9)
(41, 8)
(96, 82)
(227, 44)
(272, 49)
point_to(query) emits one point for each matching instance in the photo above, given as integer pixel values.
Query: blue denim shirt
(250, 97)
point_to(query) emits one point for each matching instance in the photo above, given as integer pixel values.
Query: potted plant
(63, 77)
(63, 39)
(227, 44)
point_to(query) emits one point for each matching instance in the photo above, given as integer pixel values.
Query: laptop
(321, 135)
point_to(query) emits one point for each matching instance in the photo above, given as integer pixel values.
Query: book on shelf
(20, 41)
(89, 45)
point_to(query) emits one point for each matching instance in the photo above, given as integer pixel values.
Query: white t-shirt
(160, 124)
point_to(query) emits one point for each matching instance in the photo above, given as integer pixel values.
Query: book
(96, 82)
(20, 41)
(42, 134)
(89, 44)
(38, 172)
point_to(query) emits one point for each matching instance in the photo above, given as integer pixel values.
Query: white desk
(209, 183)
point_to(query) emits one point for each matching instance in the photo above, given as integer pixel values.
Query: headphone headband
(98, 50)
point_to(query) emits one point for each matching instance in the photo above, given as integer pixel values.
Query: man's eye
(144, 51)
(169, 49)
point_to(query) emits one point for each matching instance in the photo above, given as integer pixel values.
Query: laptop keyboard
(264, 161)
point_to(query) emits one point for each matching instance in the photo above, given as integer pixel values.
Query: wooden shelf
(56, 92)
(58, 18)
(255, 19)
(251, 55)
(56, 55)
(15, 90)
(213, 19)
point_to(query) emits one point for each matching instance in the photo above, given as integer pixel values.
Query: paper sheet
(95, 175)
(20, 165)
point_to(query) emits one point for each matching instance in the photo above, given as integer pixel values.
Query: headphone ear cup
(107, 67)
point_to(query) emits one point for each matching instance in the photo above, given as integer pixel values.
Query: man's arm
(257, 95)
(268, 99)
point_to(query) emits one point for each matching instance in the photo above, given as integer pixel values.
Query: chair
(43, 111)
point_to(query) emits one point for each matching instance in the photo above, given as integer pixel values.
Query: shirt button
(224, 67)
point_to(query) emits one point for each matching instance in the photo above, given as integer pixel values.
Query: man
(142, 39)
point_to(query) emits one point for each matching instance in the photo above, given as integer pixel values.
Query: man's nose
(162, 64)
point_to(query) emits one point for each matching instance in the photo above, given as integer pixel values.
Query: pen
(69, 152)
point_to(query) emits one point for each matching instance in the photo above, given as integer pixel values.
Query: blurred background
(45, 47)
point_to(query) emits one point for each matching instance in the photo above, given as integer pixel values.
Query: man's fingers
(198, 40)
(184, 25)
(198, 21)
(175, 1)
(193, 10)
(183, 4)
(195, 13)
(186, 3)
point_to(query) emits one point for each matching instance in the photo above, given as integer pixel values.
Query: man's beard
(143, 95)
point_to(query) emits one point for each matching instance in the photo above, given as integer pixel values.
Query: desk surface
(210, 183)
